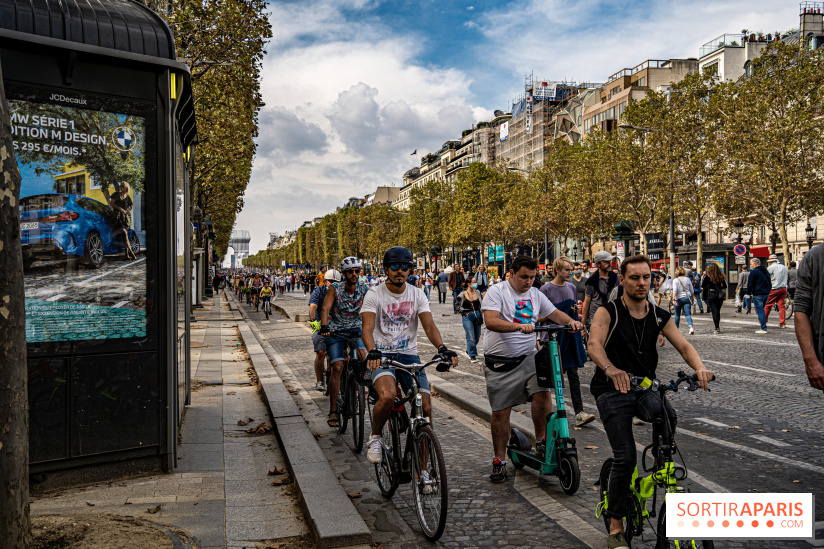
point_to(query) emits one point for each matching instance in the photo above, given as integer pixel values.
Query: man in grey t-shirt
(599, 284)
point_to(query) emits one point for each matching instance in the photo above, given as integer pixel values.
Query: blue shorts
(335, 346)
(403, 377)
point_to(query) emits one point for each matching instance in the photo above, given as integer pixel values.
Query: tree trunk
(785, 246)
(644, 244)
(699, 249)
(15, 524)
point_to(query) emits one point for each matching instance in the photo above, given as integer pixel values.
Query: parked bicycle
(421, 461)
(663, 473)
(789, 305)
(353, 383)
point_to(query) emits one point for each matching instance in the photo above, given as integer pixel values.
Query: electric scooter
(561, 457)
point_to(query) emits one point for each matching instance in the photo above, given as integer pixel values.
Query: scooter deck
(531, 460)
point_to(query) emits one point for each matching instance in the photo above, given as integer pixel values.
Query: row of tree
(707, 150)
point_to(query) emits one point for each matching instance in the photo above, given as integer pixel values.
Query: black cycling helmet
(399, 255)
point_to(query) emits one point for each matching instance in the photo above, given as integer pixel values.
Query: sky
(353, 87)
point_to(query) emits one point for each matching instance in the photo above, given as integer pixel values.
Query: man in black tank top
(624, 341)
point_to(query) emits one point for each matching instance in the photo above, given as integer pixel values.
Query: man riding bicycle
(341, 313)
(511, 310)
(623, 340)
(390, 330)
(318, 341)
(256, 284)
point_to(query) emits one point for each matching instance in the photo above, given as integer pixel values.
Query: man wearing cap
(599, 285)
(778, 293)
(758, 286)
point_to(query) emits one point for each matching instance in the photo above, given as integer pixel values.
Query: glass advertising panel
(82, 217)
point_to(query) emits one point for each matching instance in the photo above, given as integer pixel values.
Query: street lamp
(575, 251)
(584, 243)
(810, 233)
(739, 228)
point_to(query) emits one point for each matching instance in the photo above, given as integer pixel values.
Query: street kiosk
(103, 123)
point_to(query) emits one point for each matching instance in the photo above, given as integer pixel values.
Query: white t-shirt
(396, 317)
(521, 308)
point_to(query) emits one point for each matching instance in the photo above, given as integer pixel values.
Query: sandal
(333, 422)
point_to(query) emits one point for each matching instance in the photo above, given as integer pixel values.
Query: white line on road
(711, 422)
(772, 441)
(726, 321)
(56, 297)
(749, 368)
(107, 273)
(119, 304)
(749, 339)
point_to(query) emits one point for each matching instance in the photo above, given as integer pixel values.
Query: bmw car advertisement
(82, 220)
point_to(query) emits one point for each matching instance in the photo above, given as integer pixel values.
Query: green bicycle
(664, 473)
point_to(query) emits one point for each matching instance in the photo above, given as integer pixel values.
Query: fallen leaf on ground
(451, 417)
(277, 471)
(320, 435)
(796, 481)
(261, 429)
(231, 392)
(785, 430)
(734, 427)
(90, 504)
(353, 495)
(577, 428)
(153, 510)
(590, 447)
(294, 392)
(281, 481)
(242, 423)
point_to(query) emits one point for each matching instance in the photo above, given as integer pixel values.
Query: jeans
(760, 303)
(714, 306)
(575, 390)
(779, 296)
(616, 411)
(746, 303)
(473, 334)
(698, 299)
(455, 306)
(684, 304)
(426, 290)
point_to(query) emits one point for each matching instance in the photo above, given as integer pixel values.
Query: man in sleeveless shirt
(624, 341)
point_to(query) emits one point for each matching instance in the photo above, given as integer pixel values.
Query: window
(641, 81)
(711, 68)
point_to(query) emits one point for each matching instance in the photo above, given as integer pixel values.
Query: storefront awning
(760, 251)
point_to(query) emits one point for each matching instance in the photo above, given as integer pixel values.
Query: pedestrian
(428, 280)
(695, 280)
(792, 277)
(778, 291)
(471, 318)
(563, 294)
(580, 284)
(714, 288)
(443, 286)
(483, 280)
(599, 285)
(456, 280)
(809, 314)
(743, 294)
(759, 287)
(682, 287)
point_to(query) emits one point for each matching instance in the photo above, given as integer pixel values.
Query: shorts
(335, 348)
(505, 389)
(318, 342)
(402, 376)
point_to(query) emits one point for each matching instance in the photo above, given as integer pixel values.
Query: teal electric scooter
(561, 458)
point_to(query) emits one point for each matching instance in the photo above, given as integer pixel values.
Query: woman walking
(427, 284)
(713, 287)
(121, 203)
(683, 292)
(471, 317)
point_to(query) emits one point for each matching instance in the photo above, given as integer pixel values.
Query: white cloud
(471, 25)
(470, 8)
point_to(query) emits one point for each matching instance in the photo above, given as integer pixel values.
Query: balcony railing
(721, 42)
(649, 63)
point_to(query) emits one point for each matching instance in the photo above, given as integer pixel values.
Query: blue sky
(352, 87)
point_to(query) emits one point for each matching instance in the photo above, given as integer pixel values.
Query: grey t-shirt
(595, 297)
(792, 276)
(580, 288)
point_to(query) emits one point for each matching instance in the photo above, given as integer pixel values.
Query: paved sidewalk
(221, 492)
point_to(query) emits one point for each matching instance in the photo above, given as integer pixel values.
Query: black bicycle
(351, 398)
(421, 462)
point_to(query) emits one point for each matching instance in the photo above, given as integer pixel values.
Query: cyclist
(511, 310)
(623, 340)
(265, 292)
(318, 341)
(390, 314)
(256, 284)
(341, 313)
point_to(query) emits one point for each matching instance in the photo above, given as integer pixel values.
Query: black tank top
(632, 344)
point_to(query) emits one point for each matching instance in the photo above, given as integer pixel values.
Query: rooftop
(722, 41)
(648, 64)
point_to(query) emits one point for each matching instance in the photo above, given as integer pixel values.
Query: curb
(332, 516)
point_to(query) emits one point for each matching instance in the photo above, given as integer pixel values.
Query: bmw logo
(124, 138)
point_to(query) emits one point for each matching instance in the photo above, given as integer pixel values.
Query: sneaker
(473, 359)
(583, 418)
(374, 451)
(716, 332)
(540, 448)
(498, 471)
(761, 331)
(782, 326)
(427, 487)
(319, 386)
(692, 331)
(617, 541)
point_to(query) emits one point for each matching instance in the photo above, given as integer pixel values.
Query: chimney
(812, 19)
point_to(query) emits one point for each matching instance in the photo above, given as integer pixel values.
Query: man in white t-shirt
(511, 311)
(390, 314)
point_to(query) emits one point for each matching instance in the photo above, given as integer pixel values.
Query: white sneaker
(374, 452)
(583, 418)
(761, 331)
(691, 330)
(427, 487)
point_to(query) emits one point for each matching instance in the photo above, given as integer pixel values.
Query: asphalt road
(757, 430)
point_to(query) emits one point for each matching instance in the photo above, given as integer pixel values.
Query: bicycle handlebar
(553, 328)
(411, 367)
(657, 385)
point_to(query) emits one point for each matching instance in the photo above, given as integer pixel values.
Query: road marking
(772, 441)
(83, 282)
(119, 304)
(56, 297)
(726, 321)
(711, 422)
(749, 368)
(749, 339)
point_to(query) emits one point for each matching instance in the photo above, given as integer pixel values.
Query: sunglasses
(399, 267)
(356, 271)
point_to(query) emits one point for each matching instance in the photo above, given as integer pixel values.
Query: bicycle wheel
(387, 470)
(569, 474)
(358, 411)
(343, 402)
(789, 308)
(432, 496)
(666, 543)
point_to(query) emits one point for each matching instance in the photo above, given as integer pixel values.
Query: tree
(15, 524)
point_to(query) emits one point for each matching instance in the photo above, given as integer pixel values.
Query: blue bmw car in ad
(62, 225)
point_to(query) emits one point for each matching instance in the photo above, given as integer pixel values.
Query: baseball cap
(603, 255)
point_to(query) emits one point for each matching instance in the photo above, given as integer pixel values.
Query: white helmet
(332, 275)
(350, 263)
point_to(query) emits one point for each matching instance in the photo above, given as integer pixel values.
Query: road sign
(740, 249)
(740, 260)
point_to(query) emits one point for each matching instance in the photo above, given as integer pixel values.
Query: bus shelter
(103, 123)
